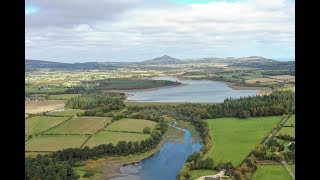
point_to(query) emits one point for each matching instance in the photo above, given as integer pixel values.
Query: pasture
(234, 138)
(106, 137)
(55, 142)
(35, 107)
(288, 130)
(38, 124)
(291, 121)
(62, 96)
(131, 125)
(67, 112)
(81, 125)
(274, 172)
(198, 173)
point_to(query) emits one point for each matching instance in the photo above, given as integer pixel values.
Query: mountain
(163, 60)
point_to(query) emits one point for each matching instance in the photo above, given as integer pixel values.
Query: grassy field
(54, 142)
(81, 125)
(62, 96)
(67, 112)
(291, 121)
(274, 172)
(106, 137)
(34, 89)
(234, 138)
(198, 173)
(39, 124)
(288, 130)
(33, 107)
(130, 125)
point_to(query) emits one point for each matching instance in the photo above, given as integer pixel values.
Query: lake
(163, 165)
(194, 91)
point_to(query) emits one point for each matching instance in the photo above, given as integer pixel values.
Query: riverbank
(145, 89)
(109, 167)
(261, 90)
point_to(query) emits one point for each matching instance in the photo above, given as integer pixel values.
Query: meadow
(198, 173)
(54, 142)
(287, 130)
(61, 96)
(106, 137)
(38, 124)
(35, 107)
(81, 125)
(291, 121)
(131, 125)
(234, 138)
(274, 172)
(67, 112)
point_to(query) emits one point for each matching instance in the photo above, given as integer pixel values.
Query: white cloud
(196, 30)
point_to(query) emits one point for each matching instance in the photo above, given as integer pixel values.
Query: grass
(35, 107)
(81, 125)
(187, 125)
(38, 124)
(234, 138)
(106, 137)
(293, 167)
(288, 130)
(291, 121)
(274, 172)
(62, 96)
(51, 90)
(131, 125)
(67, 112)
(54, 142)
(198, 173)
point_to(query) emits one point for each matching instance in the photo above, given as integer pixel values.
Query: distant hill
(163, 60)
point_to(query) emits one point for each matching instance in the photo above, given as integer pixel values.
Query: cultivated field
(287, 130)
(54, 142)
(131, 125)
(62, 96)
(33, 107)
(198, 173)
(234, 138)
(106, 137)
(274, 172)
(38, 124)
(81, 125)
(291, 121)
(67, 112)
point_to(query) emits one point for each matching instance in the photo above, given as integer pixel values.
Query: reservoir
(193, 91)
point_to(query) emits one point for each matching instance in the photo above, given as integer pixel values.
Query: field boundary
(93, 135)
(123, 131)
(54, 126)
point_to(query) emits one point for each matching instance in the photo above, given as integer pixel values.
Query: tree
(238, 175)
(147, 130)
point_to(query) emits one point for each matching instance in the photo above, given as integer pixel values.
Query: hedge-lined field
(38, 124)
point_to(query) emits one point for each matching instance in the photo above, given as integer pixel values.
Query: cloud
(133, 30)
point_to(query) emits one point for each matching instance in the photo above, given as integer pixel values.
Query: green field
(291, 121)
(130, 125)
(62, 96)
(54, 142)
(274, 172)
(293, 167)
(234, 138)
(106, 137)
(38, 124)
(34, 89)
(198, 173)
(287, 130)
(81, 125)
(67, 112)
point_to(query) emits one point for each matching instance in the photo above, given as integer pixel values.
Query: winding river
(163, 165)
(193, 91)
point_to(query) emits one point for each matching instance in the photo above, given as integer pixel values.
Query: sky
(137, 30)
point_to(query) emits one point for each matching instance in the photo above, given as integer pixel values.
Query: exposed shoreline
(146, 89)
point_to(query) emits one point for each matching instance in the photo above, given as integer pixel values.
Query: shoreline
(145, 89)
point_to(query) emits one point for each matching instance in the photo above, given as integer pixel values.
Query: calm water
(164, 165)
(195, 91)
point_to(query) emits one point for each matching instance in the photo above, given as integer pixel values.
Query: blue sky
(136, 30)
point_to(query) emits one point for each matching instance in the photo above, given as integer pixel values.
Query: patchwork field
(291, 121)
(33, 107)
(130, 125)
(234, 138)
(274, 172)
(106, 137)
(198, 173)
(288, 130)
(67, 112)
(55, 142)
(81, 125)
(62, 96)
(38, 124)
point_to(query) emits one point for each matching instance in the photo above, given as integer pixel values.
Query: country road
(274, 132)
(288, 169)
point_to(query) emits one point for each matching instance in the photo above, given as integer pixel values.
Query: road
(288, 169)
(275, 131)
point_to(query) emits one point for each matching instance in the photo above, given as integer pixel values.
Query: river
(194, 91)
(163, 165)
